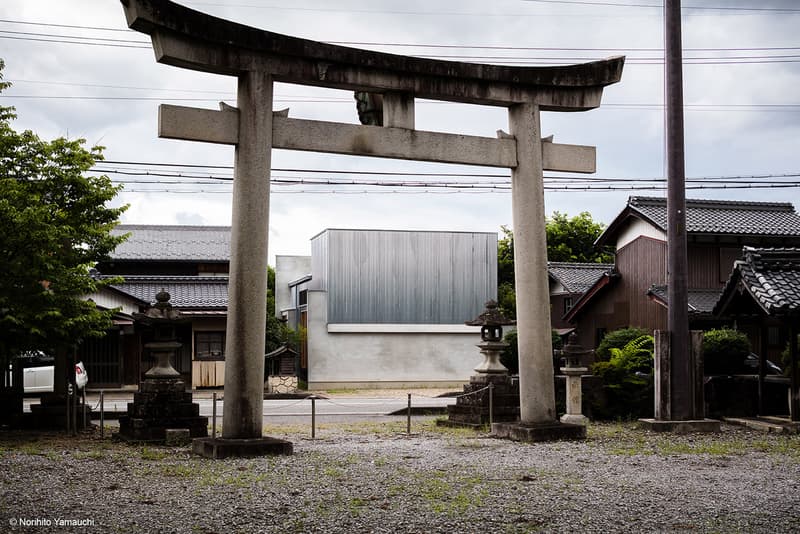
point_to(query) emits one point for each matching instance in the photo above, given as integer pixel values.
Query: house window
(303, 298)
(567, 304)
(209, 346)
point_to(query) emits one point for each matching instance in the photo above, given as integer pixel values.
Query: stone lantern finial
(491, 321)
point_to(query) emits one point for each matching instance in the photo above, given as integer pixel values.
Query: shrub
(724, 351)
(617, 339)
(627, 380)
(510, 356)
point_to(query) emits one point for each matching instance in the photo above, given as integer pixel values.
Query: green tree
(570, 240)
(573, 239)
(56, 226)
(278, 332)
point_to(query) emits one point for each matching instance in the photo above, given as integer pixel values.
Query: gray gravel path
(373, 478)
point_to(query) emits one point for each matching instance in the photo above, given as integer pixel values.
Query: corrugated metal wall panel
(409, 277)
(319, 262)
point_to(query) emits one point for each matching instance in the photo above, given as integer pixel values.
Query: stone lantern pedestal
(575, 355)
(162, 408)
(490, 395)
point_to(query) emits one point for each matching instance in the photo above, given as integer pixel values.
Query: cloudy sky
(78, 72)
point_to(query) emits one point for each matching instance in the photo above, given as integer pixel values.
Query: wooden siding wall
(557, 309)
(710, 265)
(409, 277)
(642, 263)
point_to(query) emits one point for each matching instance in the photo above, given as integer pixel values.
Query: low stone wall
(281, 384)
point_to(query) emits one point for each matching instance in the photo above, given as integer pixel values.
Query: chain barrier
(454, 396)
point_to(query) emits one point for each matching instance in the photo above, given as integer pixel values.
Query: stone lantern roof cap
(491, 316)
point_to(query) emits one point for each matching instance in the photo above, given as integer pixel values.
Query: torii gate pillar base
(680, 427)
(218, 448)
(535, 432)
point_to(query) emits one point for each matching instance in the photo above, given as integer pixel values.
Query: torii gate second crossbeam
(186, 38)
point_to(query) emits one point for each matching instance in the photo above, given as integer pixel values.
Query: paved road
(327, 410)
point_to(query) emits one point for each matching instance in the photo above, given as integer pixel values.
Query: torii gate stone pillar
(190, 39)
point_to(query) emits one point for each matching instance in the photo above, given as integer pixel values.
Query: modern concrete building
(387, 308)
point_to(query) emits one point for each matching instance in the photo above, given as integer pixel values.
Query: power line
(288, 100)
(730, 9)
(507, 60)
(460, 46)
(660, 6)
(521, 60)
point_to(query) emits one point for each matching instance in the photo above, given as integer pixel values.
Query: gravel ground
(373, 478)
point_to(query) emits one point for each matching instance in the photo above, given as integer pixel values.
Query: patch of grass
(148, 453)
(452, 497)
(333, 472)
(178, 471)
(355, 505)
(90, 455)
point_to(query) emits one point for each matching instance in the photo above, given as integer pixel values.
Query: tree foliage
(569, 240)
(56, 226)
(724, 351)
(572, 240)
(278, 332)
(617, 339)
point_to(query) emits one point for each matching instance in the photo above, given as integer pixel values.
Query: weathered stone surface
(177, 437)
(472, 406)
(538, 431)
(680, 427)
(219, 448)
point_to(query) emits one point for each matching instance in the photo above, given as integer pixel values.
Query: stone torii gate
(190, 39)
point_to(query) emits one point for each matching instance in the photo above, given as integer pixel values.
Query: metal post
(491, 404)
(102, 416)
(408, 416)
(214, 415)
(313, 416)
(681, 394)
(67, 407)
(794, 403)
(83, 406)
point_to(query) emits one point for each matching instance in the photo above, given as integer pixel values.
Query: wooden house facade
(191, 264)
(634, 293)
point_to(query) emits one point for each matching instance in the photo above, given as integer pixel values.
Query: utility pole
(677, 263)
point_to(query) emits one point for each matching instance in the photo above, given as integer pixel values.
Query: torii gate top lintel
(191, 39)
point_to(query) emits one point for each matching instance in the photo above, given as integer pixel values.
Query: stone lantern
(575, 356)
(491, 322)
(162, 410)
(491, 395)
(162, 318)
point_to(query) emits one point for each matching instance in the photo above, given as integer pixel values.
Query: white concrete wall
(636, 228)
(287, 269)
(385, 359)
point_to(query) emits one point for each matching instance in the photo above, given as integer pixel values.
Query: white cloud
(629, 141)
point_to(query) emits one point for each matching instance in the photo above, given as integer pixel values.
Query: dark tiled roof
(577, 277)
(771, 276)
(701, 301)
(714, 217)
(204, 292)
(174, 243)
(725, 216)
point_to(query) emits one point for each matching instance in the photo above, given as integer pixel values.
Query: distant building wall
(364, 355)
(377, 276)
(288, 269)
